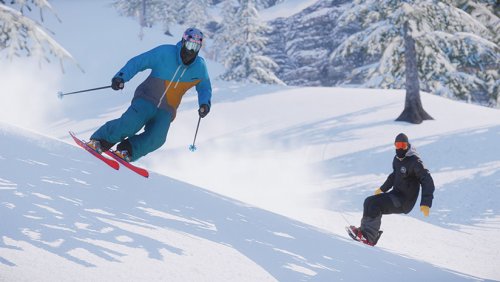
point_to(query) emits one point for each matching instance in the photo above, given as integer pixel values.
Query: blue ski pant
(141, 113)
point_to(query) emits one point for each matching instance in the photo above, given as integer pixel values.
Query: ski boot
(124, 155)
(95, 145)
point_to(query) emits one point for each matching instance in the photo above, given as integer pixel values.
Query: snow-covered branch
(458, 51)
(20, 35)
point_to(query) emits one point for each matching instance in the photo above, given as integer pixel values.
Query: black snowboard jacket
(405, 180)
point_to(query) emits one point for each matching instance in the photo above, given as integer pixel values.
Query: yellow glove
(378, 191)
(425, 210)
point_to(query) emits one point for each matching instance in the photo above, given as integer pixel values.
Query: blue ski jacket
(170, 78)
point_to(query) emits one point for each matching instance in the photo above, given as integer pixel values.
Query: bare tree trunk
(142, 19)
(413, 111)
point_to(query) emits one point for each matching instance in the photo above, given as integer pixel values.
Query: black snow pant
(373, 209)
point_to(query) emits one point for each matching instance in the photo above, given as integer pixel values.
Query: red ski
(136, 169)
(112, 163)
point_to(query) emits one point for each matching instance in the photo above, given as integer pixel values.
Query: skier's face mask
(400, 153)
(187, 56)
(189, 50)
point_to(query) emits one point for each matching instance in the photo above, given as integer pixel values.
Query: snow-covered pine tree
(194, 13)
(191, 13)
(486, 12)
(21, 35)
(244, 60)
(263, 4)
(150, 12)
(223, 37)
(259, 4)
(457, 55)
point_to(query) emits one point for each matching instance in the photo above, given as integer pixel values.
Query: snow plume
(27, 96)
(254, 168)
(269, 174)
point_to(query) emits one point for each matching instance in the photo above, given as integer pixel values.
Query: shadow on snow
(57, 198)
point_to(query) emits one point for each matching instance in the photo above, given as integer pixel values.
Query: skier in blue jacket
(174, 70)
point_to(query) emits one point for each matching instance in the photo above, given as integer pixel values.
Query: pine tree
(263, 4)
(224, 35)
(244, 60)
(191, 13)
(194, 14)
(150, 12)
(20, 35)
(487, 12)
(457, 52)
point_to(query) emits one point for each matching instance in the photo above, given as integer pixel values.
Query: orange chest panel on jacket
(177, 90)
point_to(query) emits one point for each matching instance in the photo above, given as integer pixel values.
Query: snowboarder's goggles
(401, 145)
(192, 44)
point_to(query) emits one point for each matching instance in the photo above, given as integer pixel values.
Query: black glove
(204, 110)
(117, 83)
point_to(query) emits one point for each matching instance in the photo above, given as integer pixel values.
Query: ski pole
(60, 95)
(192, 147)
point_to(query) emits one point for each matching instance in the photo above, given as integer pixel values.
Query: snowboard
(136, 169)
(356, 238)
(112, 163)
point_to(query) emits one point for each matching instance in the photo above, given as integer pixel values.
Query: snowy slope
(317, 160)
(65, 214)
(310, 154)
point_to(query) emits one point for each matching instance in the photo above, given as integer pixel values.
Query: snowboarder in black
(405, 180)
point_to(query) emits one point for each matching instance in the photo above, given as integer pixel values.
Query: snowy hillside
(64, 214)
(317, 160)
(278, 173)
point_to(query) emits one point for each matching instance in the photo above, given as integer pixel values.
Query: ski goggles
(192, 44)
(401, 145)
